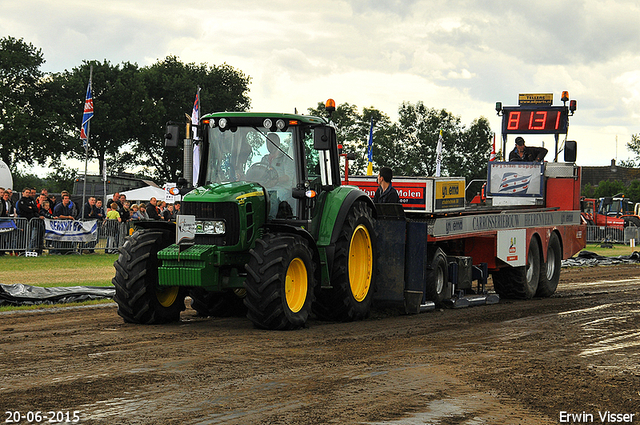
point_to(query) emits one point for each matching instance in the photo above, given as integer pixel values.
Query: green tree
(633, 146)
(352, 131)
(609, 188)
(465, 152)
(20, 81)
(120, 107)
(588, 191)
(171, 86)
(633, 191)
(469, 158)
(56, 181)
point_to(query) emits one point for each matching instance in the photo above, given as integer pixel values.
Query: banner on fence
(71, 230)
(7, 226)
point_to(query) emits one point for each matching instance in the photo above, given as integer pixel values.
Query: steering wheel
(261, 173)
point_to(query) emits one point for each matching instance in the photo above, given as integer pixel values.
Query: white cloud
(459, 55)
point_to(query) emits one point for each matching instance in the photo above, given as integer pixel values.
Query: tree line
(41, 113)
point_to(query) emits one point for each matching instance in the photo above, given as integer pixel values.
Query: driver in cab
(280, 173)
(277, 160)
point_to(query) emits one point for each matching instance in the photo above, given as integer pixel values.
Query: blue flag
(87, 115)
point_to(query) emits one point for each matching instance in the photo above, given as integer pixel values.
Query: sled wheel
(550, 272)
(352, 274)
(280, 282)
(218, 304)
(139, 297)
(438, 287)
(520, 282)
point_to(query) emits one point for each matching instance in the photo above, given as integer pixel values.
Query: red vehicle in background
(611, 211)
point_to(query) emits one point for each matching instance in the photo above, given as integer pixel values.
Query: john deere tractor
(273, 233)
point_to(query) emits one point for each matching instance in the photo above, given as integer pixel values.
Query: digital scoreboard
(535, 119)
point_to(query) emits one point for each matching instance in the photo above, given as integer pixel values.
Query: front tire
(139, 297)
(352, 274)
(550, 273)
(280, 282)
(520, 282)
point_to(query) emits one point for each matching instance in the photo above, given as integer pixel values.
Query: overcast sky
(462, 56)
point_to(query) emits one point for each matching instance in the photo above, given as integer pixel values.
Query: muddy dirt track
(518, 362)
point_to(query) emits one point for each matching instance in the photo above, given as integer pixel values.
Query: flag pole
(104, 183)
(86, 150)
(194, 167)
(370, 150)
(439, 154)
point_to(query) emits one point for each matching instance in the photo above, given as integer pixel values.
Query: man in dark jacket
(27, 206)
(64, 210)
(6, 206)
(90, 210)
(28, 209)
(522, 153)
(386, 193)
(152, 210)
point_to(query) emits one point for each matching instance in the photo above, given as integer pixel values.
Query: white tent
(6, 180)
(142, 194)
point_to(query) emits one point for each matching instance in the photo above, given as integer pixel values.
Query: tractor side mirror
(323, 137)
(171, 136)
(570, 151)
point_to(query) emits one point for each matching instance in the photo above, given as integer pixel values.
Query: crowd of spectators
(44, 205)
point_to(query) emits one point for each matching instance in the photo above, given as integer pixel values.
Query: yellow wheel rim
(295, 285)
(360, 263)
(167, 296)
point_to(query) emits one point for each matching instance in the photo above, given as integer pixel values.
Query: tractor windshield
(251, 154)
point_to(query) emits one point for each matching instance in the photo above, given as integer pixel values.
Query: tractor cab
(278, 152)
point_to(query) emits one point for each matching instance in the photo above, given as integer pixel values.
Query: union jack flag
(87, 115)
(514, 183)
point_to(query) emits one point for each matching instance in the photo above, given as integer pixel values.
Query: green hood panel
(224, 192)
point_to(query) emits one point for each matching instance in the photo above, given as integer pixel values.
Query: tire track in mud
(515, 362)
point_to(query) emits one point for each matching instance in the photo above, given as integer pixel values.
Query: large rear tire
(352, 274)
(139, 297)
(550, 273)
(520, 282)
(631, 221)
(280, 282)
(218, 304)
(438, 287)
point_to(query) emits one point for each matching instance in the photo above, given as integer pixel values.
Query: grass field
(616, 251)
(97, 270)
(58, 270)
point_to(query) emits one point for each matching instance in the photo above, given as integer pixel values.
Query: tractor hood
(225, 192)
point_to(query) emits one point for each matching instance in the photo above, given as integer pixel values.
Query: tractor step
(472, 300)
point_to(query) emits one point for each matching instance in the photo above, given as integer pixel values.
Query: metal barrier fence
(27, 237)
(599, 234)
(21, 236)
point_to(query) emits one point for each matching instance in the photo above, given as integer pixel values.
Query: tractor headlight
(211, 227)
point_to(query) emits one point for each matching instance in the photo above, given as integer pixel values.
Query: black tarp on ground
(588, 258)
(20, 294)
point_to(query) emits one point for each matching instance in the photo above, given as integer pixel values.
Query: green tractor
(275, 234)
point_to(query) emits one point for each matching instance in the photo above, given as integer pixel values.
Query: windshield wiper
(266, 136)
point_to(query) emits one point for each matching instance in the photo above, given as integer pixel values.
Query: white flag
(196, 164)
(195, 122)
(195, 116)
(439, 155)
